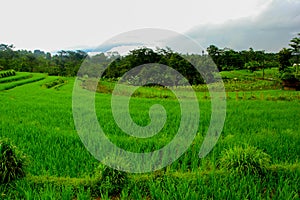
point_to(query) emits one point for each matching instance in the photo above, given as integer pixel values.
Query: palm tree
(295, 44)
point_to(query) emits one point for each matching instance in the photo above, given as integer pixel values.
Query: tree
(231, 59)
(284, 57)
(6, 56)
(214, 52)
(295, 47)
(295, 44)
(166, 56)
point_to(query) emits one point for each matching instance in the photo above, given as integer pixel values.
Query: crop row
(16, 77)
(13, 84)
(214, 184)
(7, 73)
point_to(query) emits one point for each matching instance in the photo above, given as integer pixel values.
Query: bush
(54, 83)
(110, 181)
(290, 74)
(247, 160)
(12, 162)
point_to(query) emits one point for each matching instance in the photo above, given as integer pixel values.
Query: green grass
(39, 122)
(246, 74)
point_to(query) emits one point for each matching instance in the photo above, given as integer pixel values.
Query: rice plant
(111, 181)
(244, 160)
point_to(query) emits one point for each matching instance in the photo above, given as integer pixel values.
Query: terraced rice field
(39, 121)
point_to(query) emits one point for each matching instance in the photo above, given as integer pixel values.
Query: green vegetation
(260, 139)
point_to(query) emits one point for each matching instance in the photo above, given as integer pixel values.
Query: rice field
(38, 120)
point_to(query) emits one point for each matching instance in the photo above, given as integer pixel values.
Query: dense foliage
(229, 59)
(164, 57)
(64, 63)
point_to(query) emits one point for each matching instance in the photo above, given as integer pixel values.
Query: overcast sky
(238, 24)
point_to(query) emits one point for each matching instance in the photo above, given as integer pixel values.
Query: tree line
(67, 63)
(64, 63)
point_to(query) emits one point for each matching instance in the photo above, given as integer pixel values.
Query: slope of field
(39, 122)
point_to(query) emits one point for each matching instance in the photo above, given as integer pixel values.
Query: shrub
(245, 160)
(54, 83)
(12, 162)
(110, 181)
(289, 77)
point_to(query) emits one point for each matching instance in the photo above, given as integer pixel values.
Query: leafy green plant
(12, 162)
(245, 160)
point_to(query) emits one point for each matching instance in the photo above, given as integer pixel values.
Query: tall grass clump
(245, 160)
(110, 181)
(12, 162)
